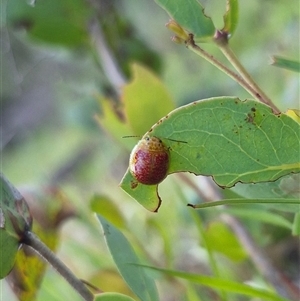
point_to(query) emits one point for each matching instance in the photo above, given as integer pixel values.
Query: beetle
(149, 161)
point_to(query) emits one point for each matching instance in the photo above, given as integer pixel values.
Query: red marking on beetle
(149, 161)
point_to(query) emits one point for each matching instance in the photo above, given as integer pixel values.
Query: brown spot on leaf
(251, 115)
(134, 184)
(249, 118)
(27, 24)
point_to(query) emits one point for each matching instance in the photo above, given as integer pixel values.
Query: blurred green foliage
(52, 79)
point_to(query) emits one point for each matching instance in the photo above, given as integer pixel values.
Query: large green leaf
(126, 260)
(15, 218)
(226, 138)
(189, 14)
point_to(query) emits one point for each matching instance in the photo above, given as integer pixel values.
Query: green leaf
(296, 224)
(262, 216)
(112, 297)
(222, 284)
(9, 246)
(222, 240)
(146, 100)
(146, 195)
(125, 258)
(111, 122)
(55, 21)
(231, 140)
(104, 206)
(189, 14)
(289, 64)
(231, 17)
(15, 218)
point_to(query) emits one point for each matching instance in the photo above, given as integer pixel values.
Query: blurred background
(53, 73)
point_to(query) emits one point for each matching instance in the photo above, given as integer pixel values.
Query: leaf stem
(245, 201)
(190, 43)
(35, 243)
(231, 57)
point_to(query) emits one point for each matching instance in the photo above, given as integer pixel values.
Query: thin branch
(108, 62)
(36, 244)
(244, 201)
(236, 77)
(222, 42)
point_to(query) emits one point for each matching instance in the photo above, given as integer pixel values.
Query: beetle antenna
(176, 140)
(131, 136)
